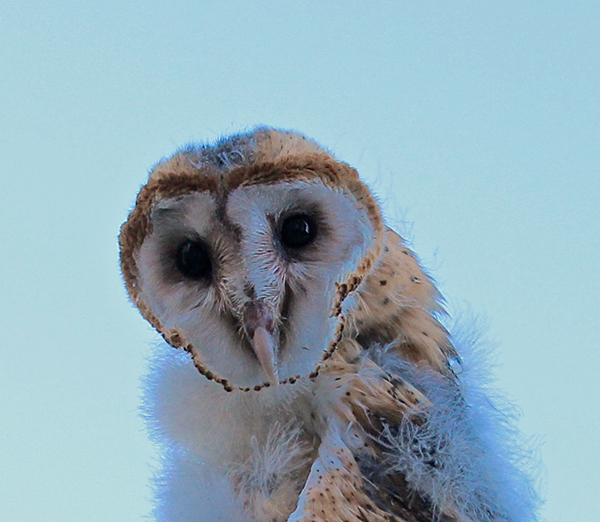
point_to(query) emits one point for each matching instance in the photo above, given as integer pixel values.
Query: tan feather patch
(395, 305)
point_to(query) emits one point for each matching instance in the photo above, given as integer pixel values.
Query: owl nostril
(249, 291)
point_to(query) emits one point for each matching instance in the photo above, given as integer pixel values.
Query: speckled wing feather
(349, 480)
(398, 304)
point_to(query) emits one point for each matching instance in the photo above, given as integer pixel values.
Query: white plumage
(306, 375)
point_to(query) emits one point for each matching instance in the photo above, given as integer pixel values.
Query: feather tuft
(463, 452)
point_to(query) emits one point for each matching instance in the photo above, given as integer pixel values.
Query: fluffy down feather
(442, 446)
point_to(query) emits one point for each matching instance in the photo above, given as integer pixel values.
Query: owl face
(249, 277)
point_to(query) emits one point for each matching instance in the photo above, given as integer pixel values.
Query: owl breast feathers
(306, 375)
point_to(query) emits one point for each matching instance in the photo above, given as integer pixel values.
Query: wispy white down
(467, 452)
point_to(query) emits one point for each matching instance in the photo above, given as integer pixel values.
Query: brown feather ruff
(180, 175)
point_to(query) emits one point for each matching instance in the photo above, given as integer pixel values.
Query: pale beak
(264, 348)
(258, 324)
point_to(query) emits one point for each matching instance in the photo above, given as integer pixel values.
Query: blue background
(476, 123)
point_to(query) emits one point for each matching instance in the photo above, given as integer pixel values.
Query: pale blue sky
(476, 123)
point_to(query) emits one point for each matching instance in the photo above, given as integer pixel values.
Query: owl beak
(264, 348)
(258, 324)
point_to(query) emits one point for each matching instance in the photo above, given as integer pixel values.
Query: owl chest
(272, 447)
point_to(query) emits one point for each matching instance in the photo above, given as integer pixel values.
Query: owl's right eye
(193, 259)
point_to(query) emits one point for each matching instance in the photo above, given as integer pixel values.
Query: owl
(305, 374)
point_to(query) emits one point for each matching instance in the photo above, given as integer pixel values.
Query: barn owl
(305, 373)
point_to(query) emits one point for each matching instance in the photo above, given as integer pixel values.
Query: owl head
(244, 253)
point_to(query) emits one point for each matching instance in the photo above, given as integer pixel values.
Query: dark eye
(193, 259)
(298, 231)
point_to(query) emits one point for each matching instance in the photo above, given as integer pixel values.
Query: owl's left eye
(298, 231)
(193, 259)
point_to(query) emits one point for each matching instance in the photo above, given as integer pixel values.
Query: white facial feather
(250, 263)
